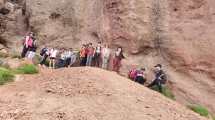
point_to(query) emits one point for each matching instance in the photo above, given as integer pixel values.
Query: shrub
(200, 110)
(165, 91)
(27, 69)
(5, 76)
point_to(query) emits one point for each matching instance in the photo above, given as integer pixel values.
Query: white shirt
(106, 52)
(53, 53)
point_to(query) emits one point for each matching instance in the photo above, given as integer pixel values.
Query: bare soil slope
(85, 94)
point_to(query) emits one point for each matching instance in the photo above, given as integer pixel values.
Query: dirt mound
(85, 94)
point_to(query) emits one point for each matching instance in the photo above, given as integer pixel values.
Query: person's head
(119, 49)
(158, 67)
(90, 44)
(99, 43)
(143, 69)
(31, 34)
(106, 46)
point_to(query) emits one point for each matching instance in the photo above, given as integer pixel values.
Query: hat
(159, 65)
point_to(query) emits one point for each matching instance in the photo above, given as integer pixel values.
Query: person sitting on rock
(160, 78)
(140, 76)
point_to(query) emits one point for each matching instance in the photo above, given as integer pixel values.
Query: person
(53, 56)
(160, 78)
(117, 59)
(132, 74)
(90, 54)
(62, 60)
(27, 42)
(140, 76)
(97, 54)
(73, 58)
(32, 49)
(105, 56)
(68, 55)
(44, 53)
(83, 55)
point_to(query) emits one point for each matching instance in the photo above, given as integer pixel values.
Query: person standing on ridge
(160, 78)
(90, 54)
(117, 59)
(53, 57)
(83, 55)
(105, 56)
(97, 54)
(27, 42)
(32, 48)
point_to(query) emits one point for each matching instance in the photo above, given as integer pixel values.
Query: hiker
(27, 42)
(132, 74)
(73, 58)
(160, 78)
(97, 54)
(68, 55)
(32, 48)
(53, 57)
(62, 61)
(83, 55)
(117, 59)
(90, 54)
(105, 56)
(44, 53)
(140, 76)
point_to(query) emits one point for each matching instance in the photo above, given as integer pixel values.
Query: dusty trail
(85, 94)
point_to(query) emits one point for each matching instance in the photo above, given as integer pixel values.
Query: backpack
(43, 51)
(132, 74)
(163, 78)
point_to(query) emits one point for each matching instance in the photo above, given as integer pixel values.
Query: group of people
(139, 76)
(98, 56)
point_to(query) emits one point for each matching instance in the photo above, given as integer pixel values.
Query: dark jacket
(161, 77)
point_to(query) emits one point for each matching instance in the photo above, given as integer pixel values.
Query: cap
(159, 65)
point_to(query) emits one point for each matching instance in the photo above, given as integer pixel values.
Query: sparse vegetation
(27, 69)
(200, 110)
(6, 76)
(165, 91)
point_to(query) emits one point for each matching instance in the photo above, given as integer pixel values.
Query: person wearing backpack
(44, 53)
(117, 59)
(160, 78)
(140, 76)
(27, 42)
(97, 54)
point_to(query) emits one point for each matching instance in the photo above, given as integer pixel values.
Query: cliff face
(176, 33)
